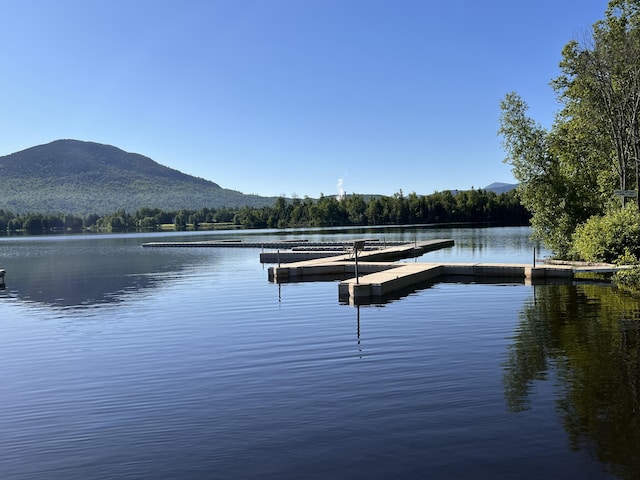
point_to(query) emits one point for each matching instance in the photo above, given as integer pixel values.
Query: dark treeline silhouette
(472, 206)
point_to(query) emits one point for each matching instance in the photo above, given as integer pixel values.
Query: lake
(122, 362)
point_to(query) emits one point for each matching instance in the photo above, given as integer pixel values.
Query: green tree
(14, 224)
(567, 174)
(374, 212)
(601, 81)
(91, 220)
(180, 220)
(33, 224)
(73, 223)
(299, 213)
(542, 187)
(355, 209)
(147, 223)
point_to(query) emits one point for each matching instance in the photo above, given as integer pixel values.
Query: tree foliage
(613, 237)
(568, 173)
(555, 185)
(474, 206)
(601, 78)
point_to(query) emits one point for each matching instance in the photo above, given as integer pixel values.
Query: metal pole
(357, 279)
(534, 257)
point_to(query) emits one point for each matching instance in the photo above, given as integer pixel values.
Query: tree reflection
(589, 337)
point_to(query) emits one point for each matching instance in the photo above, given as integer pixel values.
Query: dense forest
(473, 206)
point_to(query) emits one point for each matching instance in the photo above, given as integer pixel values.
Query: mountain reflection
(85, 273)
(589, 337)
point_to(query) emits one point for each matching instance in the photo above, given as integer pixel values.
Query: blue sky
(286, 96)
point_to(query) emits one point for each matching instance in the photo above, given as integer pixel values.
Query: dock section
(297, 250)
(403, 276)
(377, 275)
(368, 261)
(293, 245)
(368, 269)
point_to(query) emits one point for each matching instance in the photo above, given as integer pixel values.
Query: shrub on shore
(611, 238)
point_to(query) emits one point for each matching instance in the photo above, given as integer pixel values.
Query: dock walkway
(288, 251)
(294, 245)
(343, 264)
(374, 272)
(378, 275)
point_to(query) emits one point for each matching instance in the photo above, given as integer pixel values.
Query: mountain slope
(499, 187)
(71, 176)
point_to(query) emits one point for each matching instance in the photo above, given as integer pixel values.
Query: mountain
(71, 176)
(495, 187)
(498, 187)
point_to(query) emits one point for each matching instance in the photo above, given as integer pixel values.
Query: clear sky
(287, 96)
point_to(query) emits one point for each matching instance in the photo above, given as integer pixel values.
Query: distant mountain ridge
(72, 176)
(495, 187)
(499, 187)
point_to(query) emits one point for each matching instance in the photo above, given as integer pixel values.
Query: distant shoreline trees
(472, 206)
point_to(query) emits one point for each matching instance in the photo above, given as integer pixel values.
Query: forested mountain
(499, 187)
(76, 177)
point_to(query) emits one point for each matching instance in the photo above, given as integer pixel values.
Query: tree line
(472, 206)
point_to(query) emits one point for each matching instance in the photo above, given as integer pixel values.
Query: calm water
(118, 362)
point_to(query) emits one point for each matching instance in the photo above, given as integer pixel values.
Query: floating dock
(371, 251)
(294, 245)
(368, 268)
(376, 274)
(288, 251)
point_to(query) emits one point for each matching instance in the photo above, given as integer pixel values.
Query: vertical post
(357, 245)
(278, 257)
(357, 279)
(534, 257)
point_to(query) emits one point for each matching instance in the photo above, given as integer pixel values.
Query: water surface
(124, 362)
